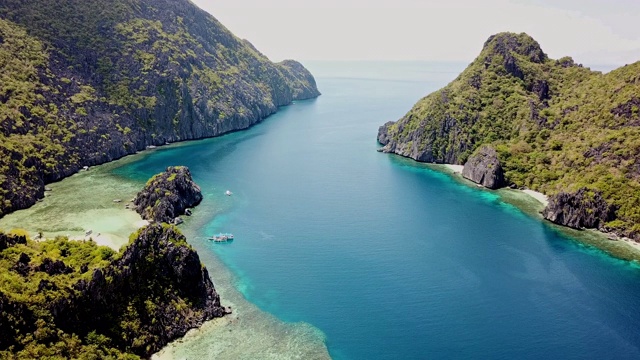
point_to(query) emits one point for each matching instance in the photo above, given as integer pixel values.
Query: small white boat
(222, 237)
(228, 193)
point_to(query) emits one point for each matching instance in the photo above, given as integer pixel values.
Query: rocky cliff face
(86, 82)
(7, 241)
(167, 195)
(159, 276)
(582, 209)
(449, 124)
(103, 304)
(555, 126)
(483, 167)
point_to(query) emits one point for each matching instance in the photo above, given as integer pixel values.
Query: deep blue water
(392, 260)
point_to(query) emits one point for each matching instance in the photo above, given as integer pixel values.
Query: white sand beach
(455, 168)
(544, 199)
(82, 207)
(634, 244)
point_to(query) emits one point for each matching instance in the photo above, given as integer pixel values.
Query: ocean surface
(383, 257)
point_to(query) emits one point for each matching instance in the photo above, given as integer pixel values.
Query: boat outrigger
(222, 237)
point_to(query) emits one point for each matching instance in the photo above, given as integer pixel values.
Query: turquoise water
(388, 258)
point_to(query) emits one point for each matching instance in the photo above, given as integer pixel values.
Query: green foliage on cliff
(74, 299)
(167, 195)
(83, 82)
(557, 126)
(29, 283)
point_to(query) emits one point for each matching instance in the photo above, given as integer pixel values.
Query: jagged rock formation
(555, 125)
(158, 267)
(104, 304)
(86, 82)
(167, 195)
(483, 167)
(10, 240)
(582, 209)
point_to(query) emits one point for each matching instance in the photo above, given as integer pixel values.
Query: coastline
(533, 202)
(542, 198)
(82, 207)
(76, 230)
(85, 201)
(111, 240)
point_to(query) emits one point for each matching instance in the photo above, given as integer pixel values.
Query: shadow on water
(194, 154)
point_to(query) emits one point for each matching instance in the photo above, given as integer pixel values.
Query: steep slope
(556, 126)
(83, 82)
(73, 299)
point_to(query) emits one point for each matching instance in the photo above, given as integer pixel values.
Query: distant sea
(385, 257)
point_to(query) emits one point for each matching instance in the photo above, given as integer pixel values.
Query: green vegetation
(34, 275)
(556, 125)
(167, 195)
(62, 299)
(83, 82)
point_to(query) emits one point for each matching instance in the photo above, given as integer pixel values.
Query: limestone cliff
(105, 304)
(86, 82)
(167, 195)
(582, 209)
(484, 168)
(556, 127)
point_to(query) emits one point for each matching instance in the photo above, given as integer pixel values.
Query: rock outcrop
(583, 209)
(483, 167)
(94, 303)
(7, 240)
(443, 126)
(157, 268)
(167, 195)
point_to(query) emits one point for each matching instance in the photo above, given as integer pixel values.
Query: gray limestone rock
(483, 167)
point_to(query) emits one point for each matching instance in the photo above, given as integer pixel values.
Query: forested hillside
(557, 127)
(83, 82)
(62, 299)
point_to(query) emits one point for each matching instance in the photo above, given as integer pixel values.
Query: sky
(593, 32)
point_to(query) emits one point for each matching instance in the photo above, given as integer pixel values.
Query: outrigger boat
(222, 237)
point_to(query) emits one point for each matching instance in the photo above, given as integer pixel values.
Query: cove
(384, 257)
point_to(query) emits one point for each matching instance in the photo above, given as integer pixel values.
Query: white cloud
(591, 32)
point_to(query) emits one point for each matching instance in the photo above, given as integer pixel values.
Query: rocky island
(87, 82)
(168, 195)
(514, 117)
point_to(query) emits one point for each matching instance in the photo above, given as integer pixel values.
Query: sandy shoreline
(457, 169)
(114, 241)
(544, 199)
(82, 207)
(635, 245)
